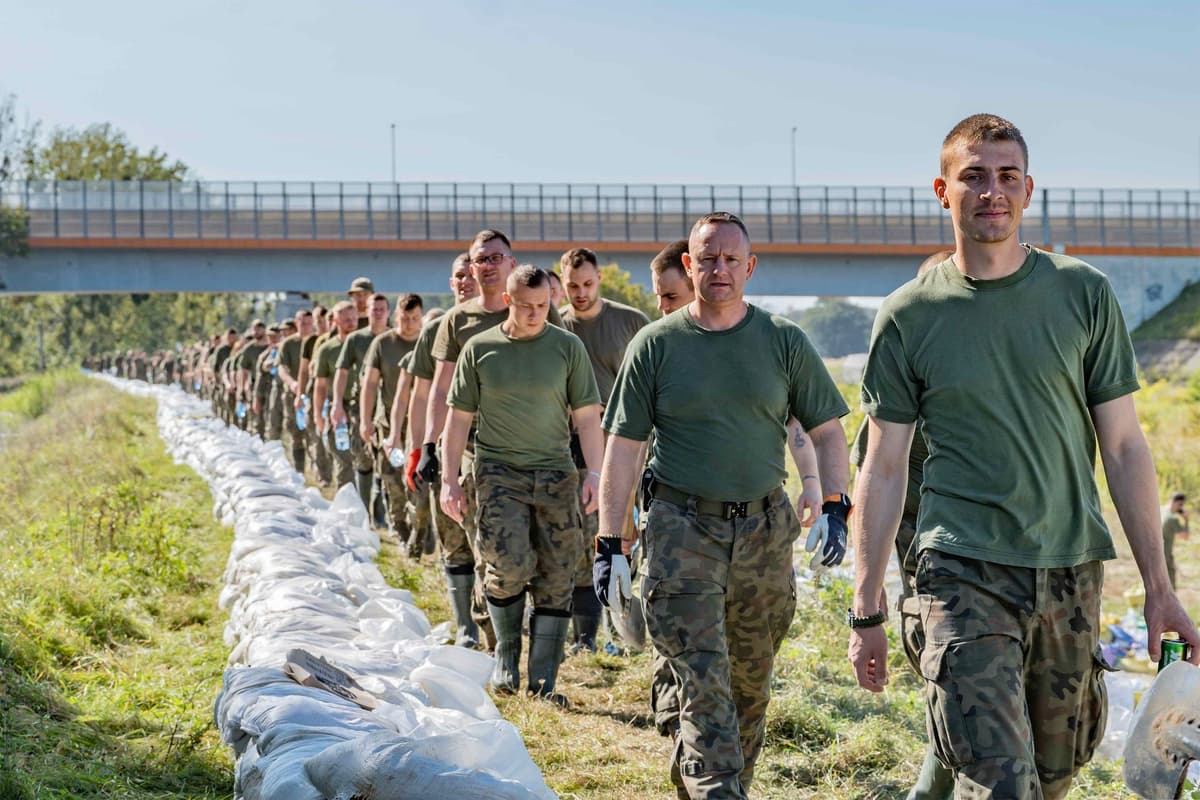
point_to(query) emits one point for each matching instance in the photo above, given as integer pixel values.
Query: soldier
(719, 588)
(606, 328)
(382, 365)
(523, 379)
(360, 292)
(326, 357)
(212, 375)
(669, 278)
(491, 262)
(1174, 525)
(346, 401)
(1017, 362)
(291, 351)
(558, 295)
(246, 371)
(318, 453)
(266, 375)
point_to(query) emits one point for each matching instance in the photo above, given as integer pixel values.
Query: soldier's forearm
(833, 456)
(416, 411)
(339, 388)
(804, 454)
(619, 476)
(454, 441)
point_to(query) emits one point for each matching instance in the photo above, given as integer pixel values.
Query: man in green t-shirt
(525, 381)
(246, 365)
(1174, 525)
(716, 383)
(263, 377)
(381, 377)
(1018, 364)
(606, 328)
(326, 358)
(345, 409)
(212, 375)
(318, 455)
(291, 353)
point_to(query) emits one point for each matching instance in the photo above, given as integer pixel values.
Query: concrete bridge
(203, 236)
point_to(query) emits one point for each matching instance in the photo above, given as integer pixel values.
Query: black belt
(716, 508)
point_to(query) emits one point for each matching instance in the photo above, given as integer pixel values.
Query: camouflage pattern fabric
(275, 411)
(591, 527)
(1015, 703)
(528, 531)
(470, 526)
(341, 460)
(318, 453)
(719, 597)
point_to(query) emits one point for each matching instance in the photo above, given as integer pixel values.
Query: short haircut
(379, 296)
(527, 276)
(434, 313)
(979, 128)
(720, 218)
(462, 259)
(408, 301)
(554, 277)
(488, 234)
(578, 256)
(234, 331)
(341, 304)
(304, 312)
(670, 257)
(935, 259)
(320, 310)
(1178, 496)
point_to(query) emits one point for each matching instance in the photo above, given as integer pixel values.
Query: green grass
(1179, 319)
(110, 639)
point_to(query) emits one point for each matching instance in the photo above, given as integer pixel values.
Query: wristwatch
(865, 622)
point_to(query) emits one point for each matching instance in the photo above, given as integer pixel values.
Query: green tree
(836, 326)
(99, 152)
(14, 240)
(617, 284)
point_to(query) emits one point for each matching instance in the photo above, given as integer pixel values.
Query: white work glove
(827, 537)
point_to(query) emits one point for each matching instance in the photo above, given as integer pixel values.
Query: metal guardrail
(1147, 218)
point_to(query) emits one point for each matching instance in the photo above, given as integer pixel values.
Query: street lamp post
(393, 153)
(793, 155)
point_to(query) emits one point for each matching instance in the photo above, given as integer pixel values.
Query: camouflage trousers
(259, 421)
(591, 526)
(391, 483)
(346, 462)
(470, 533)
(1015, 701)
(318, 454)
(528, 533)
(295, 438)
(1169, 552)
(719, 597)
(276, 412)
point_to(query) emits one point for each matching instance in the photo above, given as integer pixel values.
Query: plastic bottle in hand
(302, 417)
(341, 437)
(241, 409)
(396, 457)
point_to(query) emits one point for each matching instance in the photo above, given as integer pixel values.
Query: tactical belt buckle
(735, 510)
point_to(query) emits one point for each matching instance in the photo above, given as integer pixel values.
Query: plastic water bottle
(241, 409)
(396, 457)
(341, 437)
(301, 417)
(196, 386)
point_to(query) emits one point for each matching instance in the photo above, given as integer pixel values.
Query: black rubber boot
(547, 635)
(362, 482)
(585, 619)
(298, 454)
(381, 520)
(460, 586)
(506, 621)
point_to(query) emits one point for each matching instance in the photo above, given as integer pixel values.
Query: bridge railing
(1146, 218)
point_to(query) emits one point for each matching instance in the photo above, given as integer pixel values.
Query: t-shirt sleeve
(445, 346)
(813, 396)
(464, 386)
(889, 388)
(1109, 365)
(630, 409)
(326, 359)
(421, 364)
(346, 359)
(581, 380)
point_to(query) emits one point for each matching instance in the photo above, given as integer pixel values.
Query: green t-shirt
(1172, 524)
(327, 359)
(918, 451)
(262, 377)
(289, 355)
(313, 345)
(718, 402)
(248, 358)
(1003, 373)
(606, 336)
(352, 359)
(465, 320)
(385, 355)
(520, 391)
(422, 364)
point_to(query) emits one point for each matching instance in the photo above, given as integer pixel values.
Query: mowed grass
(110, 637)
(111, 652)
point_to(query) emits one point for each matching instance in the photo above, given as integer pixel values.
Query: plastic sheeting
(301, 574)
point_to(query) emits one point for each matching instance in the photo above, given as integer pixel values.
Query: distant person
(1174, 525)
(558, 295)
(606, 328)
(523, 381)
(360, 292)
(345, 320)
(672, 288)
(345, 407)
(1018, 364)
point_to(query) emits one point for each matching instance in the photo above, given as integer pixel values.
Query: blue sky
(1107, 93)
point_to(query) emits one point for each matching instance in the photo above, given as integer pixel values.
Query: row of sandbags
(301, 576)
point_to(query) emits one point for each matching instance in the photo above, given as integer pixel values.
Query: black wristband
(865, 622)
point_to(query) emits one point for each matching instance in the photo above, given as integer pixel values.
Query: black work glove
(428, 466)
(610, 572)
(827, 536)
